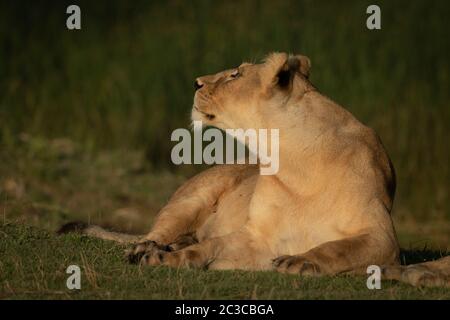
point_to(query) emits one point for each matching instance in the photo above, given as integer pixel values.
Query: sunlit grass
(34, 267)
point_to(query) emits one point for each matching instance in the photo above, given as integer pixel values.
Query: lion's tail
(98, 232)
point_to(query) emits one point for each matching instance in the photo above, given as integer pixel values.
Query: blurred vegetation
(125, 80)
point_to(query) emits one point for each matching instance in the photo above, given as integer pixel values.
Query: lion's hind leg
(149, 247)
(429, 274)
(183, 241)
(188, 209)
(238, 250)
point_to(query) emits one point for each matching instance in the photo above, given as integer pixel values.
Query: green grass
(34, 264)
(46, 183)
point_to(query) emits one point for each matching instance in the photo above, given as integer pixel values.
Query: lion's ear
(281, 68)
(298, 63)
(304, 66)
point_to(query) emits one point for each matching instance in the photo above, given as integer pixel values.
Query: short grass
(45, 183)
(34, 262)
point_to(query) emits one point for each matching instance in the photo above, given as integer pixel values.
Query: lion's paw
(423, 277)
(141, 252)
(296, 265)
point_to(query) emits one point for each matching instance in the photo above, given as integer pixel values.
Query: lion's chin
(199, 115)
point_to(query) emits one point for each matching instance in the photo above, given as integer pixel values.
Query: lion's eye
(235, 74)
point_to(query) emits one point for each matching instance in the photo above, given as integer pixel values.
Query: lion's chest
(231, 213)
(284, 226)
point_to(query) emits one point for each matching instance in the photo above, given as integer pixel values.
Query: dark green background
(125, 80)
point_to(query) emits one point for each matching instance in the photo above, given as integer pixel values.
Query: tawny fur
(326, 211)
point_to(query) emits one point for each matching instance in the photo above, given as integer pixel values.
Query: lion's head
(247, 96)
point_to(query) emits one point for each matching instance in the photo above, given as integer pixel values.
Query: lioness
(326, 211)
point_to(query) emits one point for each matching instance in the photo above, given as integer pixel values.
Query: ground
(34, 262)
(47, 183)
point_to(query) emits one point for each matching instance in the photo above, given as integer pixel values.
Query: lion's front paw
(296, 265)
(142, 251)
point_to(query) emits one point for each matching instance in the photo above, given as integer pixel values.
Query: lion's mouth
(208, 116)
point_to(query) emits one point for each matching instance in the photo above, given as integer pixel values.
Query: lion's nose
(198, 84)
